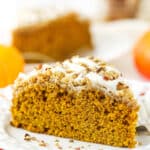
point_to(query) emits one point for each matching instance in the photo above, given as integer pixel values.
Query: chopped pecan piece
(122, 86)
(110, 75)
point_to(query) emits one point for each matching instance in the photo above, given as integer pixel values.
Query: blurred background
(44, 31)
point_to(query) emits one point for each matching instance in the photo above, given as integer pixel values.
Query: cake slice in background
(31, 14)
(46, 33)
(80, 98)
(54, 30)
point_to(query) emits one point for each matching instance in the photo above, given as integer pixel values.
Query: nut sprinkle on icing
(28, 137)
(79, 73)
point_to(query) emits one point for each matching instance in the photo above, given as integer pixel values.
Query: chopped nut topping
(106, 78)
(142, 93)
(110, 75)
(96, 60)
(90, 57)
(101, 63)
(27, 137)
(75, 75)
(60, 75)
(78, 148)
(84, 65)
(71, 140)
(48, 68)
(88, 82)
(56, 140)
(78, 78)
(42, 143)
(58, 146)
(38, 67)
(69, 71)
(101, 69)
(121, 86)
(75, 83)
(65, 79)
(83, 82)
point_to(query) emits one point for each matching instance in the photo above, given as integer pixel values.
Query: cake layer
(81, 98)
(58, 38)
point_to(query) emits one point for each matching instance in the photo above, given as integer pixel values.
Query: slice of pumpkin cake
(80, 98)
(45, 34)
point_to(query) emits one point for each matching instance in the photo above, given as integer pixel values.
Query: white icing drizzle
(77, 60)
(73, 66)
(98, 80)
(79, 65)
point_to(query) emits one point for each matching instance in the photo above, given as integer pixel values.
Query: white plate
(13, 138)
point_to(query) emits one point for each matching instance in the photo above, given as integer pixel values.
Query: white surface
(13, 139)
(93, 9)
(8, 19)
(114, 39)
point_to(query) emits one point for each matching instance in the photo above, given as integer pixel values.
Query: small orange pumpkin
(142, 55)
(11, 63)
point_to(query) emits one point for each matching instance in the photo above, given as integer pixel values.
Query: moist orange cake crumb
(81, 98)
